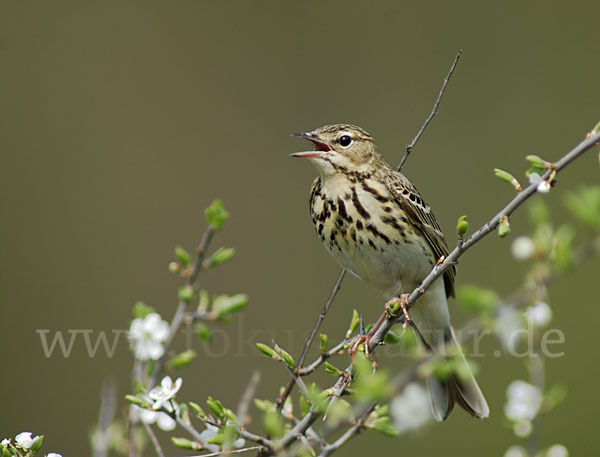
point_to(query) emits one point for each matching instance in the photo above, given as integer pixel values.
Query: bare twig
(155, 442)
(180, 313)
(243, 407)
(108, 406)
(311, 337)
(235, 451)
(411, 145)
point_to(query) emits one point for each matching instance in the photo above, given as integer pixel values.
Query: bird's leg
(401, 302)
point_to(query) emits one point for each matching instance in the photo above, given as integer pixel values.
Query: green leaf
(183, 256)
(392, 338)
(354, 323)
(369, 386)
(267, 350)
(475, 298)
(585, 206)
(538, 162)
(186, 293)
(216, 215)
(216, 407)
(197, 409)
(217, 439)
(287, 358)
(184, 443)
(462, 227)
(141, 310)
(562, 254)
(506, 176)
(273, 425)
(503, 227)
(182, 359)
(5, 452)
(384, 425)
(329, 368)
(323, 346)
(139, 401)
(264, 405)
(229, 304)
(220, 256)
(203, 331)
(203, 301)
(304, 405)
(37, 444)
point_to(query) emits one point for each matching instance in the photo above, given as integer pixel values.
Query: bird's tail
(462, 390)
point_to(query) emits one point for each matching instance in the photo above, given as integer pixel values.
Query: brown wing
(408, 198)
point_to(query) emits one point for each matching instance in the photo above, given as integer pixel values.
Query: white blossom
(523, 401)
(515, 451)
(210, 432)
(539, 314)
(557, 450)
(522, 248)
(411, 409)
(543, 187)
(5, 442)
(25, 440)
(53, 454)
(508, 322)
(147, 335)
(522, 429)
(162, 419)
(163, 393)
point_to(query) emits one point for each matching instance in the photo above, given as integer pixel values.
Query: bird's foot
(399, 303)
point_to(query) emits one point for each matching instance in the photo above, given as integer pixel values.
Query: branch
(438, 271)
(411, 145)
(155, 442)
(311, 337)
(180, 313)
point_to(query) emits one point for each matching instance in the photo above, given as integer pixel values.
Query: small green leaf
(182, 359)
(141, 310)
(503, 227)
(273, 425)
(220, 256)
(203, 301)
(462, 227)
(197, 409)
(37, 444)
(268, 351)
(506, 176)
(184, 443)
(304, 405)
(5, 452)
(538, 162)
(216, 407)
(186, 293)
(174, 267)
(474, 298)
(384, 425)
(329, 368)
(264, 405)
(323, 346)
(224, 305)
(216, 215)
(203, 331)
(217, 439)
(392, 338)
(139, 401)
(287, 358)
(183, 256)
(354, 323)
(585, 206)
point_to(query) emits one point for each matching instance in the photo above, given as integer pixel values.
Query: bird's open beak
(320, 147)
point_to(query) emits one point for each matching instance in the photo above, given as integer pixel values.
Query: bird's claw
(399, 302)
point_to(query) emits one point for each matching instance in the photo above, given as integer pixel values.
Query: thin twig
(234, 451)
(155, 442)
(311, 337)
(179, 314)
(411, 145)
(108, 407)
(244, 406)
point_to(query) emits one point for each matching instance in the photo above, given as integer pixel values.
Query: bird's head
(339, 148)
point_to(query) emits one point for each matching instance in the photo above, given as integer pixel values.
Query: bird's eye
(345, 141)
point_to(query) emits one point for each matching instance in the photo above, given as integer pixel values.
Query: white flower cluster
(523, 401)
(25, 441)
(543, 187)
(411, 409)
(161, 397)
(147, 335)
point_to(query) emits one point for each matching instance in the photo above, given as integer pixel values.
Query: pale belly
(375, 244)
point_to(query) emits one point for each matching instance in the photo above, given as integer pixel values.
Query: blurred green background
(121, 121)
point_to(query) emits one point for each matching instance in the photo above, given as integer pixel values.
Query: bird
(375, 223)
